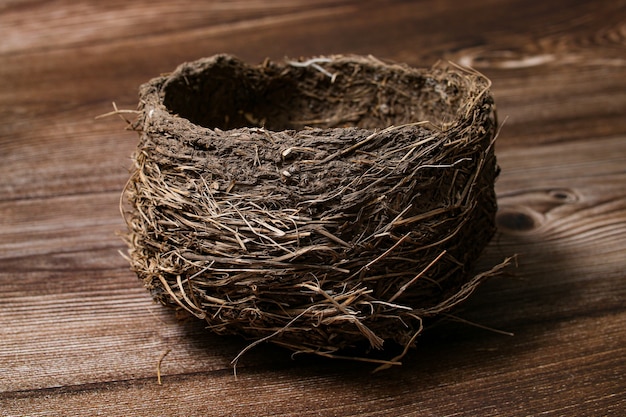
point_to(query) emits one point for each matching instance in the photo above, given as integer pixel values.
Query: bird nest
(323, 205)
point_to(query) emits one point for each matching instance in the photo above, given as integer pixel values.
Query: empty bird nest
(324, 205)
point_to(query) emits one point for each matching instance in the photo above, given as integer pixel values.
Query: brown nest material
(316, 204)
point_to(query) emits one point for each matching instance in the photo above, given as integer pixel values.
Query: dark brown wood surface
(80, 336)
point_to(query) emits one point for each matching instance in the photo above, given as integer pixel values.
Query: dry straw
(323, 205)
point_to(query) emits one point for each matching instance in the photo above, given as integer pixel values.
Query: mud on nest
(323, 204)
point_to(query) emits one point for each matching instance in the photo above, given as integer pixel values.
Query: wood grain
(80, 336)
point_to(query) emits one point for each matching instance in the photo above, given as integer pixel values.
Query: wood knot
(515, 221)
(563, 195)
(526, 210)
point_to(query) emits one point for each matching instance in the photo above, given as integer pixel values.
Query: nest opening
(318, 204)
(228, 95)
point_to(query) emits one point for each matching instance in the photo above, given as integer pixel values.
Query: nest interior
(320, 204)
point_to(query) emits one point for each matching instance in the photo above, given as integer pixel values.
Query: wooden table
(80, 336)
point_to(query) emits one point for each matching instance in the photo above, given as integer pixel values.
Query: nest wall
(320, 204)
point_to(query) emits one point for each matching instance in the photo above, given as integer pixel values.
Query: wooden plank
(514, 379)
(105, 311)
(80, 336)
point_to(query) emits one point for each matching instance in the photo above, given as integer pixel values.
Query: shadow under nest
(320, 205)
